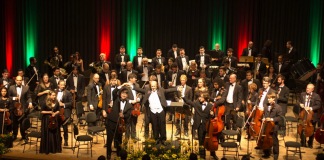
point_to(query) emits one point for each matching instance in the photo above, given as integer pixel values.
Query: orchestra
(147, 85)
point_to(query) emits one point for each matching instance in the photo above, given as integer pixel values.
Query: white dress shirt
(203, 106)
(57, 79)
(250, 51)
(155, 103)
(290, 49)
(158, 76)
(122, 57)
(175, 54)
(250, 81)
(183, 91)
(145, 70)
(280, 65)
(60, 96)
(35, 72)
(75, 82)
(107, 76)
(264, 95)
(229, 98)
(159, 60)
(122, 105)
(174, 79)
(111, 93)
(307, 101)
(139, 59)
(184, 63)
(202, 60)
(258, 66)
(18, 89)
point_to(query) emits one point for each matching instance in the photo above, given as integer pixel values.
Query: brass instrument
(162, 67)
(94, 65)
(54, 61)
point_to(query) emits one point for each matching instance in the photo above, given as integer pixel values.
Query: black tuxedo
(283, 98)
(102, 77)
(237, 95)
(207, 61)
(265, 99)
(135, 61)
(293, 55)
(107, 97)
(254, 52)
(180, 64)
(29, 72)
(200, 115)
(155, 61)
(93, 99)
(100, 64)
(123, 76)
(80, 85)
(215, 94)
(231, 107)
(162, 80)
(224, 78)
(71, 65)
(118, 60)
(140, 71)
(262, 69)
(177, 95)
(220, 54)
(284, 70)
(244, 83)
(171, 53)
(233, 61)
(67, 99)
(177, 80)
(266, 53)
(53, 81)
(10, 81)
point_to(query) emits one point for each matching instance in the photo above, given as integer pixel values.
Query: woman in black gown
(44, 87)
(272, 75)
(51, 141)
(4, 105)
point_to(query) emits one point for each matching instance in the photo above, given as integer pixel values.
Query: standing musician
(246, 82)
(107, 96)
(144, 71)
(126, 72)
(160, 76)
(24, 79)
(5, 128)
(121, 59)
(232, 61)
(104, 74)
(121, 109)
(158, 59)
(30, 71)
(19, 94)
(282, 94)
(272, 112)
(56, 78)
(5, 80)
(186, 92)
(97, 66)
(233, 101)
(54, 57)
(262, 100)
(251, 98)
(281, 68)
(203, 60)
(51, 141)
(219, 53)
(201, 116)
(65, 100)
(74, 63)
(222, 74)
(76, 84)
(155, 99)
(174, 52)
(93, 93)
(259, 68)
(183, 61)
(43, 88)
(310, 101)
(138, 58)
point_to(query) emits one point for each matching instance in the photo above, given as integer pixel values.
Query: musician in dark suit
(100, 64)
(266, 51)
(121, 109)
(202, 59)
(104, 74)
(193, 73)
(186, 92)
(160, 76)
(264, 91)
(218, 92)
(272, 112)
(202, 114)
(249, 80)
(30, 71)
(174, 52)
(5, 80)
(310, 101)
(155, 100)
(230, 58)
(73, 64)
(234, 97)
(19, 93)
(292, 53)
(56, 78)
(121, 59)
(250, 99)
(222, 74)
(281, 67)
(144, 71)
(126, 72)
(76, 84)
(173, 77)
(228, 70)
(64, 97)
(138, 58)
(107, 97)
(56, 58)
(282, 94)
(261, 68)
(93, 92)
(25, 80)
(182, 61)
(158, 59)
(218, 53)
(250, 51)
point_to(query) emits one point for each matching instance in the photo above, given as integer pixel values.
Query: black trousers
(131, 127)
(159, 125)
(66, 130)
(230, 113)
(15, 124)
(275, 145)
(147, 122)
(201, 139)
(185, 124)
(310, 139)
(110, 129)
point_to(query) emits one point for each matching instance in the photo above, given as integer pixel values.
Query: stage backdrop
(33, 27)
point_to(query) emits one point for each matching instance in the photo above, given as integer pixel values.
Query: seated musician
(310, 101)
(187, 92)
(202, 115)
(100, 64)
(232, 61)
(121, 109)
(222, 74)
(272, 112)
(251, 99)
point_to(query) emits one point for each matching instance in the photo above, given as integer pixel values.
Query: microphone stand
(248, 144)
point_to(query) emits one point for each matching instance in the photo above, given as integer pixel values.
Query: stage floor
(98, 149)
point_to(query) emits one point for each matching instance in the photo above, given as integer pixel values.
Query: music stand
(265, 60)
(246, 59)
(212, 54)
(176, 105)
(183, 110)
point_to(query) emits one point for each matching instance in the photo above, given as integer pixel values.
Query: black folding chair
(82, 138)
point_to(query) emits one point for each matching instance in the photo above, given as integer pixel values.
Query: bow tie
(129, 70)
(18, 86)
(307, 94)
(60, 90)
(145, 66)
(122, 54)
(95, 84)
(232, 84)
(268, 104)
(75, 76)
(201, 55)
(280, 63)
(123, 100)
(174, 73)
(113, 87)
(204, 104)
(56, 78)
(139, 56)
(249, 48)
(158, 57)
(106, 73)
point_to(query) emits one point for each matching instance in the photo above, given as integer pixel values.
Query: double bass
(265, 140)
(256, 121)
(306, 129)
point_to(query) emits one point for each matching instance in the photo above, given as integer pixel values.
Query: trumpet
(97, 68)
(162, 67)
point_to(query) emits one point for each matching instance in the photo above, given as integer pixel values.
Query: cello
(307, 128)
(319, 134)
(265, 140)
(256, 121)
(248, 107)
(100, 98)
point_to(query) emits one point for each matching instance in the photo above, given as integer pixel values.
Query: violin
(307, 128)
(18, 111)
(319, 134)
(74, 96)
(136, 112)
(100, 98)
(121, 124)
(6, 119)
(256, 121)
(265, 140)
(62, 110)
(248, 107)
(52, 122)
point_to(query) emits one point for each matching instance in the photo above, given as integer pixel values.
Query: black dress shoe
(65, 143)
(105, 145)
(108, 157)
(311, 147)
(257, 148)
(157, 142)
(170, 119)
(163, 143)
(186, 134)
(265, 156)
(215, 157)
(177, 133)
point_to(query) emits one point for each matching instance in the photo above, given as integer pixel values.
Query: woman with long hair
(272, 75)
(114, 73)
(168, 66)
(79, 60)
(193, 72)
(43, 88)
(51, 141)
(4, 107)
(201, 87)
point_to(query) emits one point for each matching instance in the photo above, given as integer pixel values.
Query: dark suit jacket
(177, 80)
(244, 84)
(53, 81)
(80, 84)
(207, 61)
(237, 95)
(25, 98)
(274, 113)
(315, 103)
(99, 64)
(118, 61)
(135, 61)
(155, 61)
(215, 95)
(220, 54)
(102, 77)
(106, 97)
(188, 94)
(10, 81)
(123, 75)
(262, 68)
(171, 53)
(225, 79)
(254, 97)
(283, 98)
(254, 52)
(92, 95)
(191, 81)
(293, 55)
(266, 53)
(161, 92)
(283, 71)
(200, 115)
(29, 72)
(233, 61)
(265, 99)
(179, 62)
(68, 102)
(162, 81)
(114, 114)
(140, 71)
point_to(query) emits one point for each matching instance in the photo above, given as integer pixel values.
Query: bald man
(126, 72)
(18, 93)
(104, 74)
(218, 53)
(100, 63)
(93, 92)
(250, 51)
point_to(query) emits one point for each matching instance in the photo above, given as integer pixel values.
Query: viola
(256, 121)
(62, 114)
(319, 134)
(307, 128)
(248, 107)
(136, 112)
(6, 117)
(100, 99)
(121, 124)
(265, 140)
